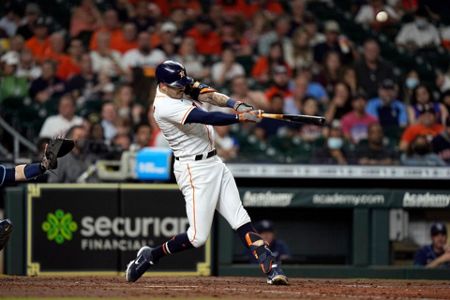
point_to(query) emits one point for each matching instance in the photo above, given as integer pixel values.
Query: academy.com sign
(348, 199)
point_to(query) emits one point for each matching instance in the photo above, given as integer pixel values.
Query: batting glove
(241, 107)
(253, 116)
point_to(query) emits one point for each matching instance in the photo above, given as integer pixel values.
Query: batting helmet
(173, 73)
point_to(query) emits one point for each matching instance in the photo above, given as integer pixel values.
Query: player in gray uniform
(205, 181)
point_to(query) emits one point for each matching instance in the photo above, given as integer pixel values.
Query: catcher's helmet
(172, 73)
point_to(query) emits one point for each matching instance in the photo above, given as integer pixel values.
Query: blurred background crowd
(85, 69)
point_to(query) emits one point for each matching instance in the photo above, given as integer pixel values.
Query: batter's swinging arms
(206, 183)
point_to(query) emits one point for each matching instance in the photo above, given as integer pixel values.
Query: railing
(18, 140)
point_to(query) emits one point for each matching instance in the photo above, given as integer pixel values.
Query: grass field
(114, 287)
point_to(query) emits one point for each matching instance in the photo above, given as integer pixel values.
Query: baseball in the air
(381, 16)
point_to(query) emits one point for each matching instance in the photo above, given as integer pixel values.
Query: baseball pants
(208, 185)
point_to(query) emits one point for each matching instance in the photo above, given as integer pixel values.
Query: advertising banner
(153, 164)
(99, 228)
(376, 198)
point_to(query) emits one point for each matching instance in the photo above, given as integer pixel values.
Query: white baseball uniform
(206, 184)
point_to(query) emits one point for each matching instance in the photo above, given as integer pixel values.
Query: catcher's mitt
(57, 147)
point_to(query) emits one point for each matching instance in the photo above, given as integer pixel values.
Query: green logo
(59, 226)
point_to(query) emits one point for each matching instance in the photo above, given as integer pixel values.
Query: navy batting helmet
(172, 73)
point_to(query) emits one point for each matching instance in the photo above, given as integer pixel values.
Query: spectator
(445, 99)
(412, 80)
(280, 83)
(82, 86)
(143, 19)
(419, 154)
(142, 136)
(232, 39)
(227, 146)
(314, 36)
(340, 103)
(74, 164)
(300, 55)
(112, 26)
(355, 123)
(128, 38)
(207, 41)
(32, 13)
(333, 151)
(96, 133)
(331, 71)
(375, 151)
(240, 91)
(11, 85)
(121, 142)
(263, 66)
(10, 20)
(143, 56)
(442, 81)
(418, 34)
(333, 42)
(313, 88)
(105, 60)
(297, 9)
(273, 127)
(310, 133)
(436, 255)
(16, 46)
(66, 67)
(66, 118)
(76, 50)
(85, 19)
(366, 14)
(39, 43)
(166, 39)
(278, 34)
(422, 99)
(350, 78)
(278, 247)
(191, 60)
(371, 70)
(390, 112)
(126, 106)
(109, 121)
(48, 85)
(226, 69)
(426, 126)
(441, 143)
(27, 67)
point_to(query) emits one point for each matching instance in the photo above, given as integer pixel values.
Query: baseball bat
(304, 119)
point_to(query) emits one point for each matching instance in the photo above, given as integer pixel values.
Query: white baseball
(381, 16)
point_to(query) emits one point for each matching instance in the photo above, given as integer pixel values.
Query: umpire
(56, 148)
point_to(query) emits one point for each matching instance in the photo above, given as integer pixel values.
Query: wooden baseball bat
(304, 119)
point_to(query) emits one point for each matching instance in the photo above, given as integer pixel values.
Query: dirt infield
(219, 287)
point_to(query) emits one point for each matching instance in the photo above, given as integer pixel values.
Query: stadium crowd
(94, 74)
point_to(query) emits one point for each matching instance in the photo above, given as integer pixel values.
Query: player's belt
(199, 156)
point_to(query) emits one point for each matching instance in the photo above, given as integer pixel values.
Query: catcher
(55, 148)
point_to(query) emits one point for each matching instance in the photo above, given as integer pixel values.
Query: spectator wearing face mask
(412, 80)
(333, 152)
(418, 34)
(419, 154)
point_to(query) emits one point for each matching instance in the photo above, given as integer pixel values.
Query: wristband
(33, 170)
(231, 103)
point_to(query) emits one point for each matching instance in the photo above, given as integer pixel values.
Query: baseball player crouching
(57, 147)
(205, 181)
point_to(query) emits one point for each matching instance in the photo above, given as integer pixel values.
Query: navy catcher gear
(173, 74)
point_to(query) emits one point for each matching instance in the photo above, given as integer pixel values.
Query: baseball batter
(206, 183)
